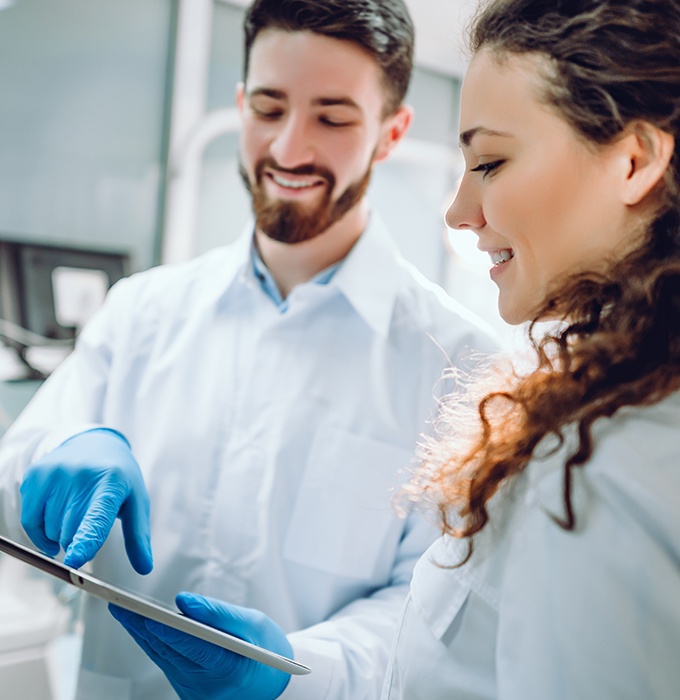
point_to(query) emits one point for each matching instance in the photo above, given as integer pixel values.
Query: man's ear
(393, 130)
(240, 96)
(648, 151)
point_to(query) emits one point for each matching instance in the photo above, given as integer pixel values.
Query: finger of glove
(73, 517)
(164, 654)
(135, 626)
(133, 623)
(54, 516)
(193, 651)
(40, 540)
(33, 497)
(137, 531)
(246, 623)
(96, 524)
(216, 613)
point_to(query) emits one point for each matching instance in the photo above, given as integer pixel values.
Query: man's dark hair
(382, 27)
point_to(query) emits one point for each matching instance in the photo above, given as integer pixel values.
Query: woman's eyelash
(487, 168)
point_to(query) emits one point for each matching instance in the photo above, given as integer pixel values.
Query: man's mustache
(309, 169)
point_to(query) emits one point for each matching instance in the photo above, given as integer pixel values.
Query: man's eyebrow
(467, 136)
(267, 92)
(275, 94)
(337, 101)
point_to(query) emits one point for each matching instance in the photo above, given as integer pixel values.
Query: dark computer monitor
(30, 277)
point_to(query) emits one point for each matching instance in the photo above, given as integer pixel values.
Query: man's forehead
(277, 53)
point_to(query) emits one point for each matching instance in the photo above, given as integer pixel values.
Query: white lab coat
(540, 613)
(271, 444)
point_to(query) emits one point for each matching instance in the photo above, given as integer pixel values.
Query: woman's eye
(487, 168)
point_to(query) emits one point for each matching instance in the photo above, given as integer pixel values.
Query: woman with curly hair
(558, 486)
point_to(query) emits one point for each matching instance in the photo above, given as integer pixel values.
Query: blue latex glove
(73, 495)
(198, 670)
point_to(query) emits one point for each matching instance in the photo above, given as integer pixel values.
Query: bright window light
(463, 245)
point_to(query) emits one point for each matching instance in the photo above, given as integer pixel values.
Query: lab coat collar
(237, 266)
(367, 277)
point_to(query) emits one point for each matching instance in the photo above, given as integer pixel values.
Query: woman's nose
(465, 211)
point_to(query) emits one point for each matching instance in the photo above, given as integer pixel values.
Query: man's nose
(292, 146)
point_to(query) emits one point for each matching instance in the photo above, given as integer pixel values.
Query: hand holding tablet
(197, 669)
(240, 621)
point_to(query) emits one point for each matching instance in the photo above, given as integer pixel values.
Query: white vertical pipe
(188, 107)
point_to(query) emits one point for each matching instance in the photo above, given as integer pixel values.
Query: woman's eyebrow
(467, 136)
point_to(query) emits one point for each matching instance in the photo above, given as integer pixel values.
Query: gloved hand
(73, 495)
(198, 670)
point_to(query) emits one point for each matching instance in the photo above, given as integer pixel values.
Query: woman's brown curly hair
(613, 63)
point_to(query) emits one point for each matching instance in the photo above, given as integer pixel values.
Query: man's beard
(289, 222)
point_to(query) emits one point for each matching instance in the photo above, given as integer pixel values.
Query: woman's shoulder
(625, 496)
(639, 441)
(631, 480)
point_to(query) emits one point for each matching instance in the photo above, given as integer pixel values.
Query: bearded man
(264, 398)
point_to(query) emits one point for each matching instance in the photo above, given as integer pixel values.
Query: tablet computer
(147, 608)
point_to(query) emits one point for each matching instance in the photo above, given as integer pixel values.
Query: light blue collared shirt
(269, 286)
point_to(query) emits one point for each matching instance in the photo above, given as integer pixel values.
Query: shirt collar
(239, 267)
(369, 276)
(268, 284)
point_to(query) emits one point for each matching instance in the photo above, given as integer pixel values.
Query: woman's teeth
(498, 257)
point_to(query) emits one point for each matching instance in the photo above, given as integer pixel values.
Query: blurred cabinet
(83, 121)
(14, 395)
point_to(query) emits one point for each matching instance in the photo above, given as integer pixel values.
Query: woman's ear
(648, 150)
(393, 130)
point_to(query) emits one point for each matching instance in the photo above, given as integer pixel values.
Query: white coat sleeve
(349, 652)
(68, 402)
(594, 612)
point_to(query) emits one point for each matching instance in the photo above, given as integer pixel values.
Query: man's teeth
(500, 256)
(294, 184)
